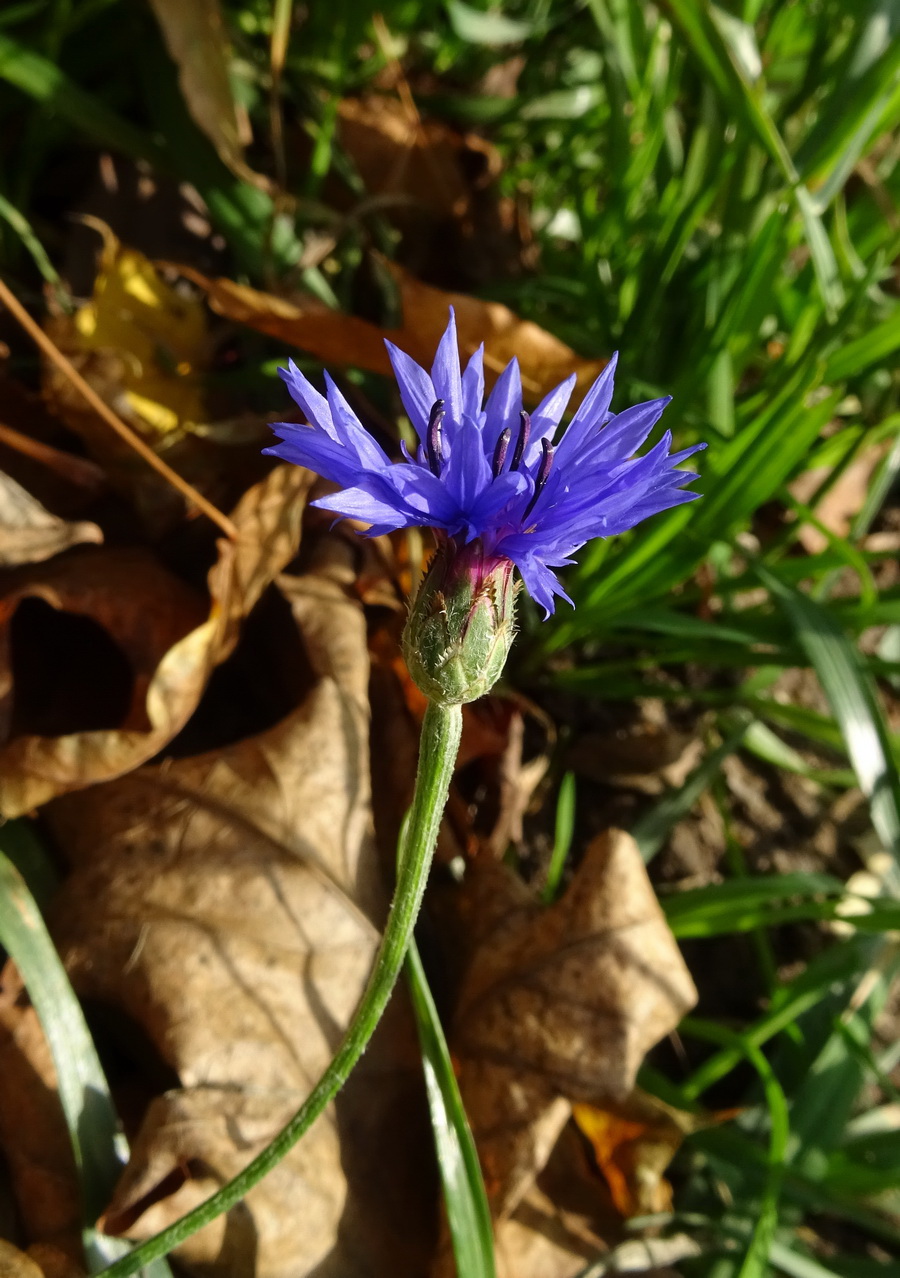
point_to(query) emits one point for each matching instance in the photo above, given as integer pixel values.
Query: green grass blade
(99, 1147)
(876, 346)
(562, 837)
(742, 904)
(468, 1214)
(83, 1093)
(651, 830)
(23, 229)
(854, 702)
(794, 1263)
(49, 85)
(755, 1262)
(824, 1101)
(837, 968)
(716, 40)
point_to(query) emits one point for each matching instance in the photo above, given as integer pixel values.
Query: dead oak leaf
(559, 1004)
(342, 340)
(415, 166)
(171, 638)
(231, 903)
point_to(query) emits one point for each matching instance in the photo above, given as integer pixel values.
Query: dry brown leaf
(559, 1004)
(40, 1261)
(28, 531)
(15, 1263)
(55, 1263)
(437, 186)
(561, 1227)
(416, 163)
(231, 904)
(634, 1142)
(34, 1140)
(339, 339)
(171, 637)
(540, 1241)
(195, 37)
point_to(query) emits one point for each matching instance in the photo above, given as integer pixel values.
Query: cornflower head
(500, 487)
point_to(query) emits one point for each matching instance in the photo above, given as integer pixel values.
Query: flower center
(543, 475)
(522, 441)
(433, 437)
(500, 451)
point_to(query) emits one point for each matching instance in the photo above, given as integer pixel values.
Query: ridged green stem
(437, 756)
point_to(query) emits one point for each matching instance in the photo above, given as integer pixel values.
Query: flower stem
(437, 756)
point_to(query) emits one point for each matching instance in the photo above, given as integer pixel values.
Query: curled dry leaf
(559, 1004)
(231, 904)
(172, 639)
(560, 1227)
(339, 339)
(30, 533)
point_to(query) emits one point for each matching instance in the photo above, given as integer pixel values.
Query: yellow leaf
(158, 334)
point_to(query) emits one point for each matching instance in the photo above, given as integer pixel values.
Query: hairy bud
(461, 624)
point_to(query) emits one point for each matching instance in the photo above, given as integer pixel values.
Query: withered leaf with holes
(170, 636)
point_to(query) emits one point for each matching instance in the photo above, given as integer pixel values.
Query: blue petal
(652, 506)
(591, 413)
(307, 446)
(420, 492)
(445, 373)
(416, 390)
(358, 503)
(547, 416)
(503, 407)
(350, 431)
(676, 458)
(540, 581)
(467, 473)
(628, 430)
(305, 394)
(488, 508)
(473, 384)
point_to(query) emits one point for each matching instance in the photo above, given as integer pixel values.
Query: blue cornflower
(491, 477)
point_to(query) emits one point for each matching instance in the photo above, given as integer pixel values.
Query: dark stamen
(522, 441)
(501, 450)
(433, 437)
(543, 475)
